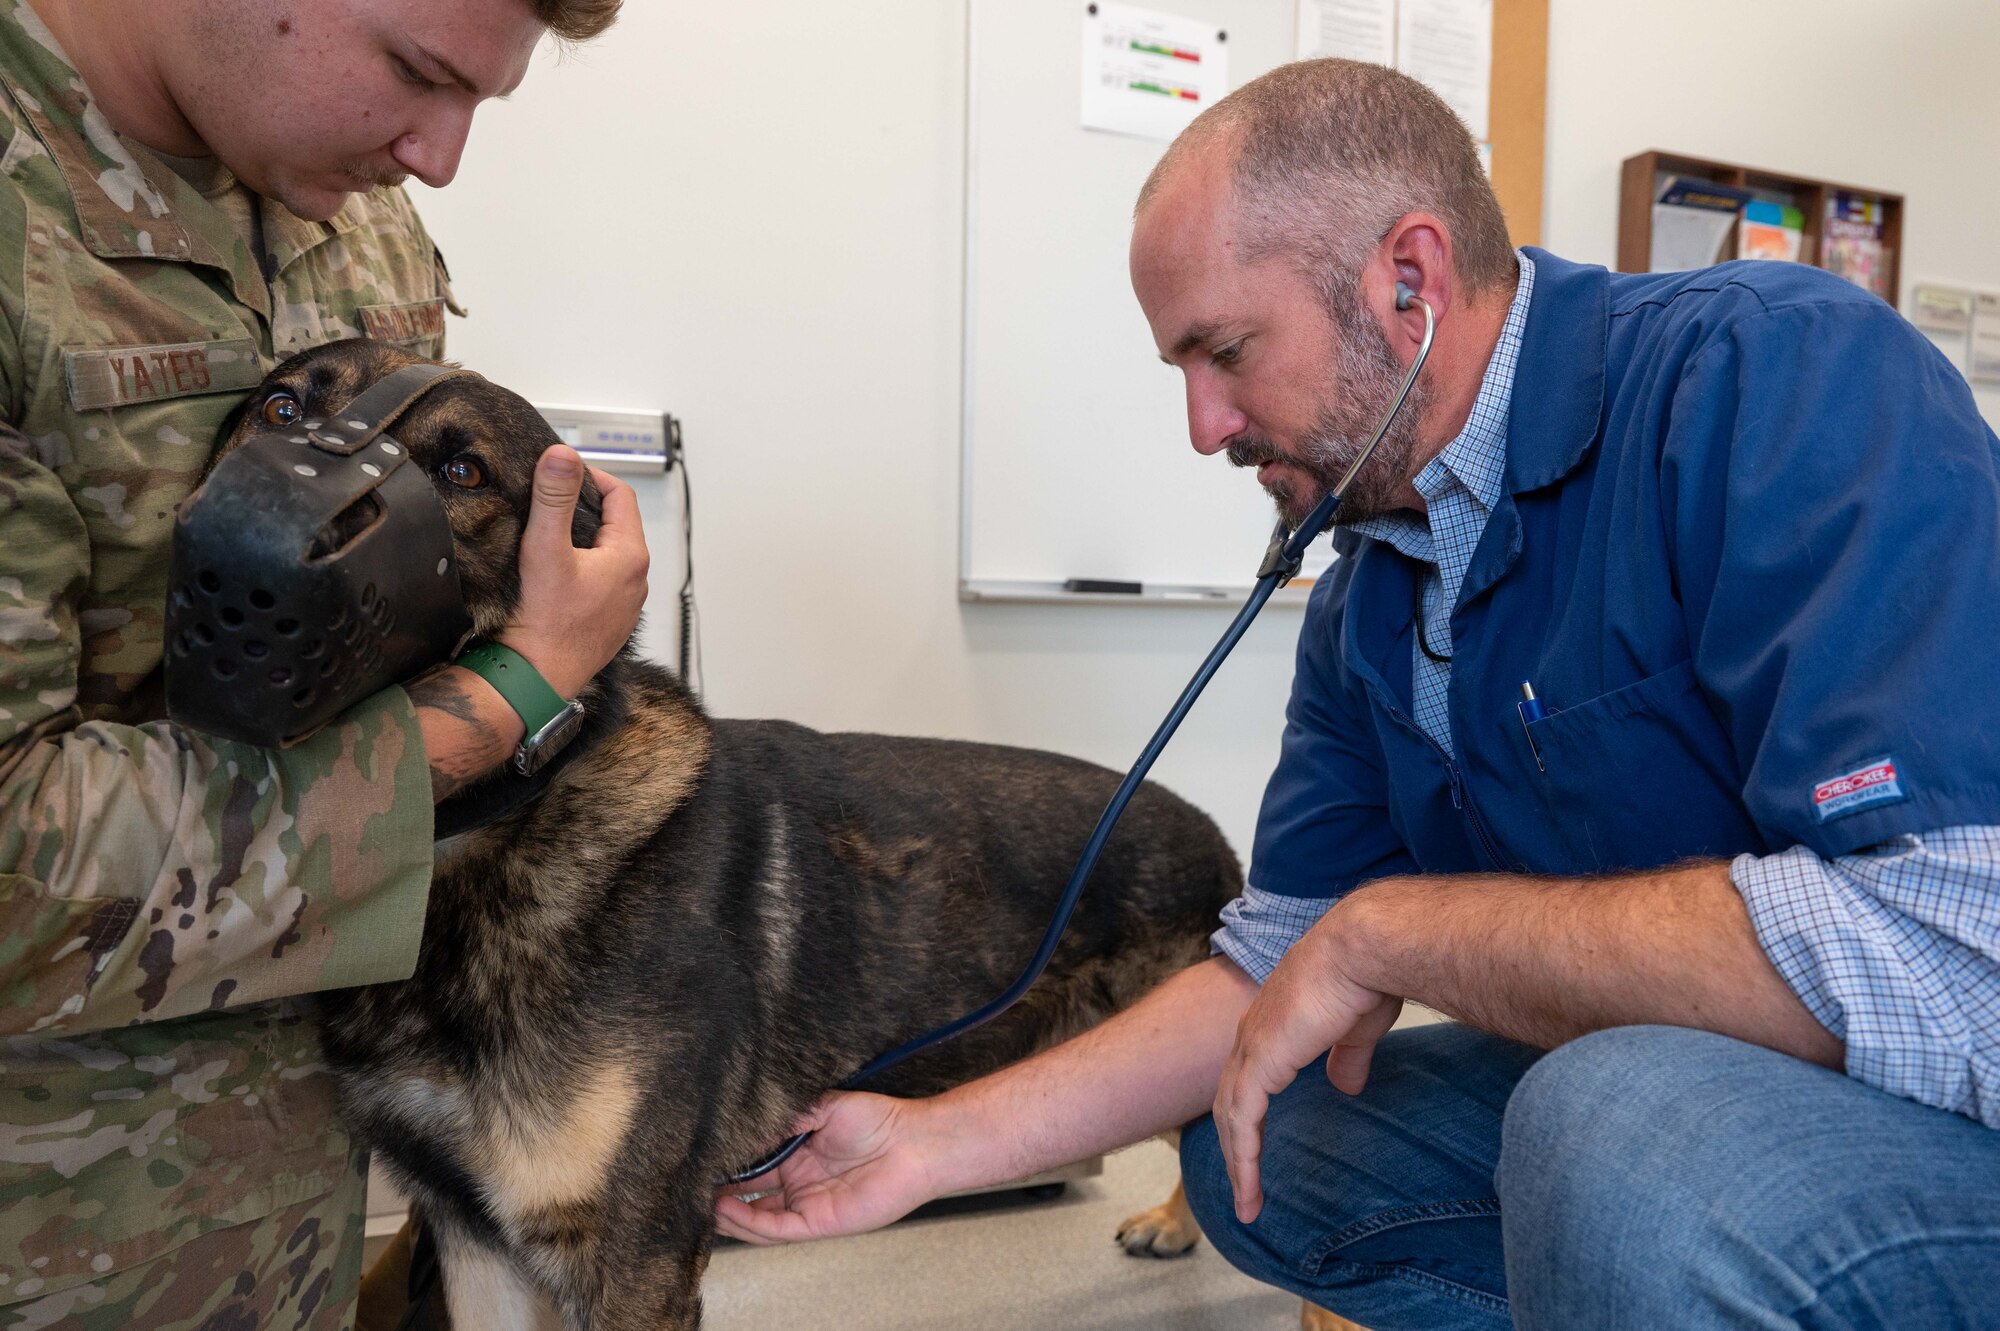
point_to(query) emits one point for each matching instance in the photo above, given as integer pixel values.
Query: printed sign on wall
(1149, 73)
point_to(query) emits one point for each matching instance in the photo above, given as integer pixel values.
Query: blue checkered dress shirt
(1896, 950)
(1459, 486)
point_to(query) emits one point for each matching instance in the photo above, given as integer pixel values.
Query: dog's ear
(513, 416)
(589, 513)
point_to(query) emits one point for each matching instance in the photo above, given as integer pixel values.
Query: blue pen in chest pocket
(1531, 710)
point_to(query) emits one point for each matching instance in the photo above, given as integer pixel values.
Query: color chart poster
(1149, 73)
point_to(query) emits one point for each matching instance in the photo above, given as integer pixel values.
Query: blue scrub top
(1748, 554)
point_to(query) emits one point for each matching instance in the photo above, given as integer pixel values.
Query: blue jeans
(1641, 1178)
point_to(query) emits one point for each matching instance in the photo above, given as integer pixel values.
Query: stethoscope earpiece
(1404, 296)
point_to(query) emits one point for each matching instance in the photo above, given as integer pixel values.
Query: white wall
(1899, 95)
(749, 214)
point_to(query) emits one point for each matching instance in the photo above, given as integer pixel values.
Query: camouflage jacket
(169, 1155)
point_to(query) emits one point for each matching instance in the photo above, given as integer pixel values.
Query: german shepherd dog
(633, 984)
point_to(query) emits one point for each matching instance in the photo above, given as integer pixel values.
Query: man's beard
(1368, 376)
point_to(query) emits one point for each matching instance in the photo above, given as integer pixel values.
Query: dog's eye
(465, 472)
(281, 409)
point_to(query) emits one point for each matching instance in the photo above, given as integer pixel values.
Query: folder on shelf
(1691, 219)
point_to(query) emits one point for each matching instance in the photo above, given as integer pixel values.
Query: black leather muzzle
(312, 569)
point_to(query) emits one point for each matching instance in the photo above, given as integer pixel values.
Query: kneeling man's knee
(1206, 1182)
(1635, 1189)
(1581, 1160)
(1565, 1152)
(1266, 1248)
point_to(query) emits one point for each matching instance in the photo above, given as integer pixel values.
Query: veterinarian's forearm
(468, 727)
(1545, 960)
(1151, 1068)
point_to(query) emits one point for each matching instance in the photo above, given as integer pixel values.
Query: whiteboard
(1076, 461)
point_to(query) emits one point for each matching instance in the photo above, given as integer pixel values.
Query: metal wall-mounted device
(644, 448)
(622, 440)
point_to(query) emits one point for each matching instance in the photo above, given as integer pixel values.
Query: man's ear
(1417, 252)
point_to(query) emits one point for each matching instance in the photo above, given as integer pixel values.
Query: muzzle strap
(355, 426)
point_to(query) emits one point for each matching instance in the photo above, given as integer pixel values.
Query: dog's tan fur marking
(640, 775)
(1169, 1229)
(484, 1290)
(530, 1164)
(626, 787)
(899, 858)
(1166, 1230)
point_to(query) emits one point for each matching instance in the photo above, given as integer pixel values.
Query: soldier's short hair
(1329, 153)
(576, 20)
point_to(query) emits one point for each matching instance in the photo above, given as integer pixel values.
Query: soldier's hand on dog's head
(578, 605)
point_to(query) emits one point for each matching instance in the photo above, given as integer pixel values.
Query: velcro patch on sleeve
(1872, 783)
(121, 376)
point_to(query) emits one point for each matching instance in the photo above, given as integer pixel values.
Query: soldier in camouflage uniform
(169, 1154)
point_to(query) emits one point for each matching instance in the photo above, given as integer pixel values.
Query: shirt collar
(1563, 352)
(1477, 457)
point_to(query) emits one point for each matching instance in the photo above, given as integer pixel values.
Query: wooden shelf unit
(1643, 174)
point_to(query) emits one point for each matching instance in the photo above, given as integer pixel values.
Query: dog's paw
(1164, 1231)
(1312, 1317)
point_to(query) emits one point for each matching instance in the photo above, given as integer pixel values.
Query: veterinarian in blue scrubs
(1646, 726)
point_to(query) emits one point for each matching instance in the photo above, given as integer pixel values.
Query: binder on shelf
(1691, 219)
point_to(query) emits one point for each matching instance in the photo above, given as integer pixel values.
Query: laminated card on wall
(1944, 315)
(1149, 73)
(1985, 367)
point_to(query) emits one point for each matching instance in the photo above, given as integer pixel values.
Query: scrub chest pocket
(1640, 777)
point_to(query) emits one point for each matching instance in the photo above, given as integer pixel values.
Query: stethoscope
(1282, 560)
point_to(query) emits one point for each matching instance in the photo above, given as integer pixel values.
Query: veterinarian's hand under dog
(860, 1170)
(1307, 1007)
(578, 605)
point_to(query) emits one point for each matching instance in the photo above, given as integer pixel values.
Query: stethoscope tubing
(1287, 558)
